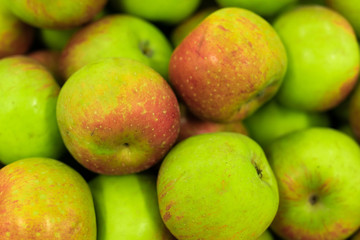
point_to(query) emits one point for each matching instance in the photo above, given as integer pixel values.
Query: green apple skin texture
(272, 121)
(127, 208)
(43, 198)
(228, 66)
(323, 58)
(167, 11)
(117, 36)
(117, 116)
(350, 9)
(262, 7)
(217, 194)
(15, 36)
(28, 119)
(321, 163)
(56, 14)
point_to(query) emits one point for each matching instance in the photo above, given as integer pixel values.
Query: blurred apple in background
(16, 37)
(323, 58)
(272, 121)
(317, 171)
(228, 66)
(50, 60)
(127, 208)
(56, 39)
(217, 186)
(117, 36)
(28, 104)
(118, 116)
(42, 198)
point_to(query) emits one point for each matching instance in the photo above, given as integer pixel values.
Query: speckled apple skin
(118, 116)
(228, 66)
(42, 198)
(57, 14)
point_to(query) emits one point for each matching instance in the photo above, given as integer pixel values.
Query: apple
(56, 39)
(273, 120)
(228, 66)
(264, 8)
(323, 58)
(166, 11)
(117, 35)
(350, 9)
(42, 198)
(217, 186)
(57, 14)
(28, 105)
(317, 174)
(16, 37)
(266, 236)
(117, 116)
(127, 208)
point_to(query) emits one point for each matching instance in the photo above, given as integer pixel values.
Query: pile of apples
(187, 119)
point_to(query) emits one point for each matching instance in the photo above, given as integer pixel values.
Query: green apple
(15, 36)
(117, 36)
(273, 120)
(317, 171)
(323, 58)
(228, 66)
(57, 14)
(166, 11)
(350, 9)
(42, 198)
(264, 8)
(127, 208)
(118, 116)
(217, 186)
(28, 104)
(56, 39)
(266, 236)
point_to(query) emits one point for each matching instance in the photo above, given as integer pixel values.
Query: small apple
(228, 66)
(317, 171)
(117, 116)
(323, 58)
(273, 120)
(28, 104)
(217, 186)
(59, 14)
(127, 208)
(42, 198)
(56, 39)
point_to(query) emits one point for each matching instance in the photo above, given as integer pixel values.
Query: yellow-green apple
(264, 8)
(350, 9)
(317, 171)
(42, 198)
(16, 37)
(28, 104)
(57, 14)
(273, 120)
(323, 58)
(228, 66)
(166, 11)
(117, 116)
(217, 186)
(127, 208)
(354, 112)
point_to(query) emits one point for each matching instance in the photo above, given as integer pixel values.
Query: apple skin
(126, 130)
(117, 36)
(273, 120)
(166, 11)
(42, 198)
(28, 117)
(264, 8)
(228, 66)
(16, 37)
(316, 170)
(323, 58)
(198, 189)
(127, 208)
(57, 14)
(350, 9)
